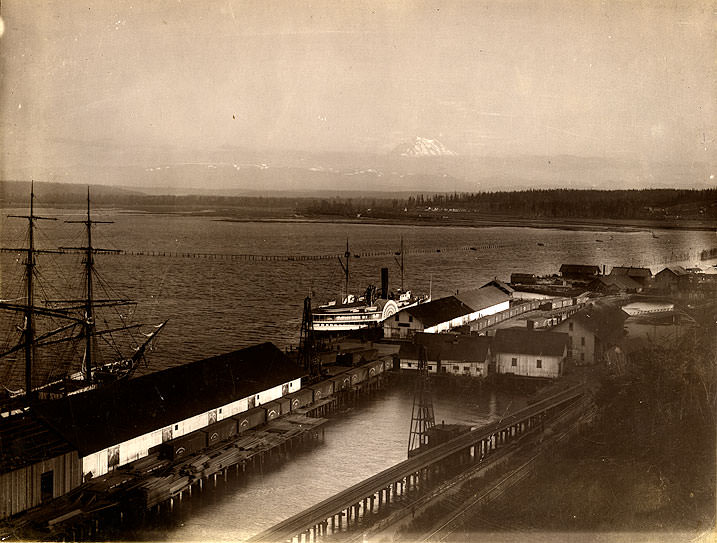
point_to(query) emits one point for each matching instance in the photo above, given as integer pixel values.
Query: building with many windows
(456, 354)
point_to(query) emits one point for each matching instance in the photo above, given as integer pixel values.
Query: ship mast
(400, 263)
(29, 309)
(89, 262)
(345, 267)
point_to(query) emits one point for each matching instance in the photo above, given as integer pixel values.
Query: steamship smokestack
(384, 283)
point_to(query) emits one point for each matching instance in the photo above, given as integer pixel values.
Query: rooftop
(122, 410)
(524, 341)
(438, 311)
(24, 441)
(455, 346)
(483, 297)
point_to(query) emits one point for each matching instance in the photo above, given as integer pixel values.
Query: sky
(137, 82)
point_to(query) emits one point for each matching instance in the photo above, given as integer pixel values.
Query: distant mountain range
(421, 165)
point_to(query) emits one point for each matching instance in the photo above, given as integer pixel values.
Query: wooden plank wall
(20, 489)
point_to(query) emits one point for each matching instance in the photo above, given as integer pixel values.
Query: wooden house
(529, 353)
(456, 354)
(592, 333)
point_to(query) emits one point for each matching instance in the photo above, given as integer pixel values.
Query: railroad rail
(397, 481)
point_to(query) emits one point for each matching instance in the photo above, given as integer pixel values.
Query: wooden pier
(358, 503)
(154, 485)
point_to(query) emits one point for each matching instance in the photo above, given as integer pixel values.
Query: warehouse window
(396, 317)
(570, 326)
(176, 426)
(538, 363)
(514, 362)
(456, 368)
(582, 340)
(466, 369)
(409, 364)
(410, 318)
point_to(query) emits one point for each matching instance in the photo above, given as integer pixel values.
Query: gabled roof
(525, 341)
(500, 285)
(483, 297)
(603, 321)
(461, 347)
(622, 282)
(674, 270)
(122, 410)
(631, 272)
(438, 311)
(456, 346)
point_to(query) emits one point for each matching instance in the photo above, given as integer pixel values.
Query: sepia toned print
(378, 271)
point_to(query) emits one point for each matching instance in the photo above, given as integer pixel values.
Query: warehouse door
(47, 486)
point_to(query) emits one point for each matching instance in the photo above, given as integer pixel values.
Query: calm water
(214, 306)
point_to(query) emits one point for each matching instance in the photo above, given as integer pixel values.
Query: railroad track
(338, 503)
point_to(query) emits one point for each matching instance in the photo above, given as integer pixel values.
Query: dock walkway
(395, 482)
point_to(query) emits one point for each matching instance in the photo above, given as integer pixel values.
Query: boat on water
(68, 324)
(366, 310)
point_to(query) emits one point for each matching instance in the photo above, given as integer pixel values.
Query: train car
(341, 382)
(250, 419)
(322, 390)
(300, 398)
(358, 375)
(375, 367)
(183, 445)
(273, 410)
(220, 431)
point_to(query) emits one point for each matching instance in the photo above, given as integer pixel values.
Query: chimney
(384, 283)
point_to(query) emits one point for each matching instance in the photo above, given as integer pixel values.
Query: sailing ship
(74, 322)
(366, 310)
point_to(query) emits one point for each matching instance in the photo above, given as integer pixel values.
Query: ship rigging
(78, 323)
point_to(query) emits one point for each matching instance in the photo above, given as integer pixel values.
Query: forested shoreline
(645, 204)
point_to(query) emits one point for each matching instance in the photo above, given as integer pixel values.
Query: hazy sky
(490, 78)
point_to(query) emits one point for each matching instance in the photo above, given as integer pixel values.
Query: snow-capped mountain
(422, 147)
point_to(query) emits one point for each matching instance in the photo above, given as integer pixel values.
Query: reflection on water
(214, 306)
(358, 444)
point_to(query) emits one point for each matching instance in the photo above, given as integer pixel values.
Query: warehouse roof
(456, 346)
(438, 311)
(123, 410)
(525, 341)
(24, 440)
(448, 347)
(482, 298)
